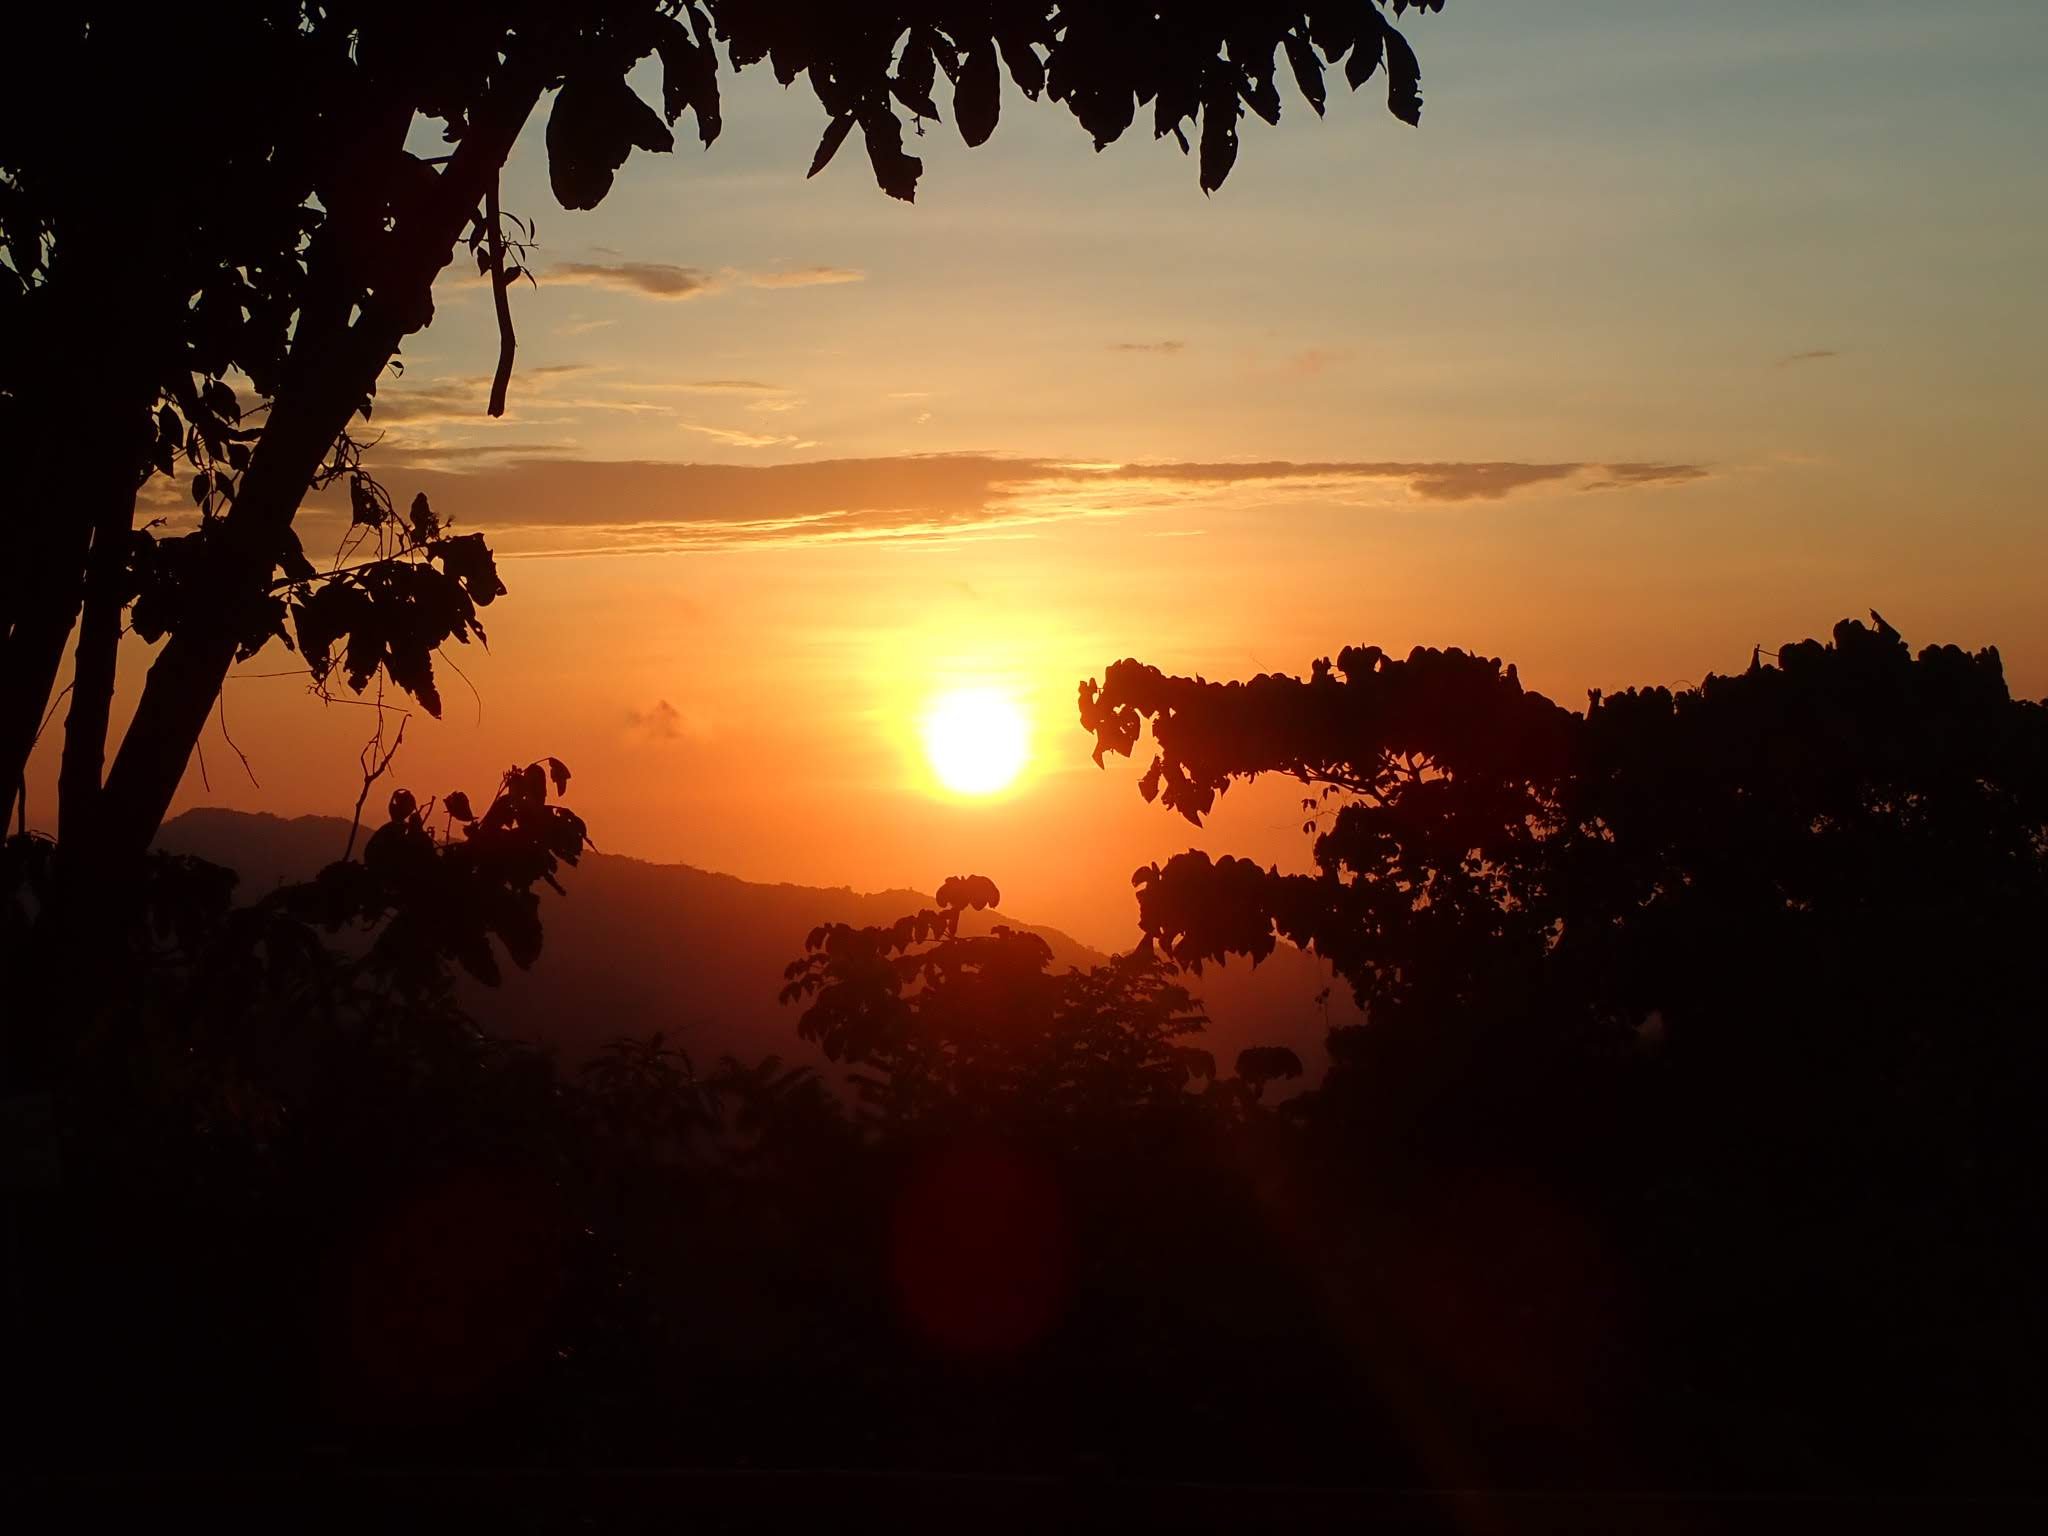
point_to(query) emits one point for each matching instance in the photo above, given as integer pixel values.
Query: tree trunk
(34, 649)
(80, 455)
(92, 673)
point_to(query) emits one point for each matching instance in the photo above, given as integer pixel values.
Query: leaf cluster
(1482, 853)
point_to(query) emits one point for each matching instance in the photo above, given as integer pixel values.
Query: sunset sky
(1675, 329)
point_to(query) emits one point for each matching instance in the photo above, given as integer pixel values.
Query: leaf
(835, 135)
(1263, 97)
(895, 172)
(689, 76)
(977, 95)
(469, 560)
(292, 559)
(364, 512)
(457, 805)
(425, 525)
(1404, 77)
(402, 804)
(168, 430)
(559, 772)
(1026, 68)
(916, 73)
(1220, 111)
(596, 123)
(1362, 61)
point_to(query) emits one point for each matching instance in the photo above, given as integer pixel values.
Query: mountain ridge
(637, 945)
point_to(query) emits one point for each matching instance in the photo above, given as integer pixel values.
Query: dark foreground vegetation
(1693, 1140)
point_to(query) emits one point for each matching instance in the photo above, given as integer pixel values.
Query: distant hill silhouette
(637, 947)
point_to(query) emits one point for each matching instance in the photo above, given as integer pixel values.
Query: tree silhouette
(970, 1025)
(196, 973)
(1723, 1173)
(1476, 840)
(308, 247)
(1738, 974)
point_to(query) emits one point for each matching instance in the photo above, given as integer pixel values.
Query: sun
(976, 740)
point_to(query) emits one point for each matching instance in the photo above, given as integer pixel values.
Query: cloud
(669, 282)
(1148, 346)
(416, 417)
(1314, 360)
(1619, 477)
(655, 279)
(456, 453)
(429, 402)
(661, 722)
(1423, 480)
(1815, 355)
(803, 277)
(721, 387)
(738, 438)
(409, 405)
(561, 507)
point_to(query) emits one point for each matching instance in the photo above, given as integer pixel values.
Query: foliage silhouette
(962, 1026)
(1708, 1159)
(1736, 974)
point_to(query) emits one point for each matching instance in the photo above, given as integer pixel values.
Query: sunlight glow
(976, 740)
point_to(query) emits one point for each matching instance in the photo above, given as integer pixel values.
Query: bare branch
(224, 736)
(374, 768)
(507, 342)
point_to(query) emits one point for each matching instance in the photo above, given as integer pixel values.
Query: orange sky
(1675, 329)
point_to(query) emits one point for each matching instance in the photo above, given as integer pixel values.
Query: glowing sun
(976, 740)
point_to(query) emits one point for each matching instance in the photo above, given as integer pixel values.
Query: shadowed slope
(637, 947)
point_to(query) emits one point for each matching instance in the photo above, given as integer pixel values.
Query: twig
(446, 660)
(376, 704)
(222, 701)
(283, 583)
(507, 342)
(371, 776)
(49, 716)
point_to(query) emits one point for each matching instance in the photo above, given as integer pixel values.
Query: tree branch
(371, 774)
(98, 648)
(507, 342)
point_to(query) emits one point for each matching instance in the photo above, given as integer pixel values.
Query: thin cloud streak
(670, 283)
(651, 279)
(738, 438)
(804, 277)
(562, 507)
(719, 387)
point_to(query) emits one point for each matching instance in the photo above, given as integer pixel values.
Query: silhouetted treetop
(1370, 724)
(1480, 848)
(1200, 67)
(435, 899)
(979, 1026)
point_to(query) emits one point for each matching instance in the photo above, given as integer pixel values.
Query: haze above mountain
(635, 947)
